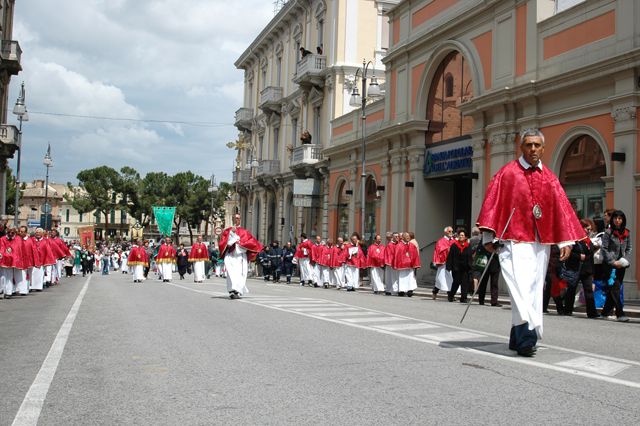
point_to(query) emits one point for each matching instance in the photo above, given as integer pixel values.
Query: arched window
(451, 86)
(581, 172)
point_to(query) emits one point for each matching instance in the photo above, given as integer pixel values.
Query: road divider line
(31, 406)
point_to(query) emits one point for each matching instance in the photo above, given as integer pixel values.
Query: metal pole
(16, 222)
(363, 175)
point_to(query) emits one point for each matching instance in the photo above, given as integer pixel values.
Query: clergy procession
(30, 263)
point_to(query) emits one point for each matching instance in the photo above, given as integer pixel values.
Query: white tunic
(198, 270)
(406, 280)
(37, 277)
(352, 276)
(237, 266)
(444, 279)
(390, 280)
(377, 278)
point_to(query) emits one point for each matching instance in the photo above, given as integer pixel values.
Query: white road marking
(342, 314)
(405, 327)
(305, 305)
(451, 336)
(31, 406)
(594, 365)
(485, 350)
(372, 319)
(322, 309)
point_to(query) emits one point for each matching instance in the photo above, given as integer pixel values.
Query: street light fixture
(20, 109)
(358, 100)
(46, 209)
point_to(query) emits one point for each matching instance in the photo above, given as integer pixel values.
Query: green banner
(164, 219)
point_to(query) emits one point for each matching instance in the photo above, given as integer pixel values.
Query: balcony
(271, 99)
(310, 71)
(10, 54)
(244, 119)
(305, 155)
(9, 140)
(268, 167)
(241, 177)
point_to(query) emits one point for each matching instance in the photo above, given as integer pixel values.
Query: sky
(132, 59)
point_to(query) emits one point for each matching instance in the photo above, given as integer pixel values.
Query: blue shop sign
(446, 160)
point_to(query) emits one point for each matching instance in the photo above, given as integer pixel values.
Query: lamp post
(213, 189)
(48, 162)
(20, 110)
(361, 101)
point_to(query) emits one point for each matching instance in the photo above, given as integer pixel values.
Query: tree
(153, 190)
(101, 190)
(189, 192)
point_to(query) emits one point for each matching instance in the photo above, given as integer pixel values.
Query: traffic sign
(46, 208)
(218, 230)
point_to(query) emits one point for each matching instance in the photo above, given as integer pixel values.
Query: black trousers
(460, 280)
(287, 270)
(613, 294)
(482, 286)
(570, 296)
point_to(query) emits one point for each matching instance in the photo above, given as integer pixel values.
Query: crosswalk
(613, 370)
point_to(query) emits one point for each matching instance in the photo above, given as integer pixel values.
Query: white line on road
(31, 406)
(372, 319)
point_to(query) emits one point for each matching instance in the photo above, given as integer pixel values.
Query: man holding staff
(542, 217)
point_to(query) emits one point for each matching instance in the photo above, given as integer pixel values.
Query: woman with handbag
(616, 251)
(580, 263)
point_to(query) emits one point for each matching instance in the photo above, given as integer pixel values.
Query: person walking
(580, 261)
(165, 259)
(406, 260)
(459, 264)
(303, 254)
(376, 264)
(198, 256)
(182, 261)
(355, 259)
(616, 247)
(138, 261)
(541, 215)
(238, 247)
(444, 280)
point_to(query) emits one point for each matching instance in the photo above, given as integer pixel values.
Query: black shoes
(410, 293)
(527, 352)
(497, 305)
(234, 295)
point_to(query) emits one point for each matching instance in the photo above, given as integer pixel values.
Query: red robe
(376, 256)
(166, 254)
(358, 260)
(337, 257)
(406, 256)
(316, 252)
(28, 252)
(442, 250)
(247, 242)
(198, 253)
(13, 253)
(138, 256)
(516, 187)
(389, 251)
(42, 254)
(304, 249)
(59, 248)
(324, 255)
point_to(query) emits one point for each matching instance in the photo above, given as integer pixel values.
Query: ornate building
(298, 76)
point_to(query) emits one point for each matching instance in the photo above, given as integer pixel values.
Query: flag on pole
(164, 219)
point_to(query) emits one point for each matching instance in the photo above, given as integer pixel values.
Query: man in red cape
(165, 259)
(197, 256)
(238, 247)
(444, 280)
(375, 262)
(13, 264)
(542, 217)
(42, 257)
(390, 273)
(137, 261)
(60, 252)
(406, 260)
(303, 254)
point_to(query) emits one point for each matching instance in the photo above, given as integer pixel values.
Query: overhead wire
(136, 120)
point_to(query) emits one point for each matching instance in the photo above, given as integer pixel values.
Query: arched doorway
(371, 203)
(449, 154)
(581, 170)
(342, 211)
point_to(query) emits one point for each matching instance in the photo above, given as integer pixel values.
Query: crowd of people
(325, 263)
(30, 263)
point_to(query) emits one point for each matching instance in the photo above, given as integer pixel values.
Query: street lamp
(48, 162)
(358, 100)
(20, 109)
(213, 189)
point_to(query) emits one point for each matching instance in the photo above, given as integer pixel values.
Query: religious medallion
(537, 211)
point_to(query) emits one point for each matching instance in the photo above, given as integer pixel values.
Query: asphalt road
(107, 351)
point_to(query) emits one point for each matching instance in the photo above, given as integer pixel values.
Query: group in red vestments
(165, 259)
(13, 264)
(238, 247)
(390, 274)
(355, 260)
(316, 253)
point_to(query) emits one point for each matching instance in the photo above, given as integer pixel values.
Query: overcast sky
(138, 59)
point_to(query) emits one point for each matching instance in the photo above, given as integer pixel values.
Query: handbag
(570, 276)
(480, 262)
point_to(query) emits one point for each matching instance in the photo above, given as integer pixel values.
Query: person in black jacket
(182, 260)
(459, 263)
(581, 260)
(288, 253)
(493, 274)
(275, 255)
(616, 251)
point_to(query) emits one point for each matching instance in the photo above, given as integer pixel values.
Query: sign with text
(448, 159)
(308, 186)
